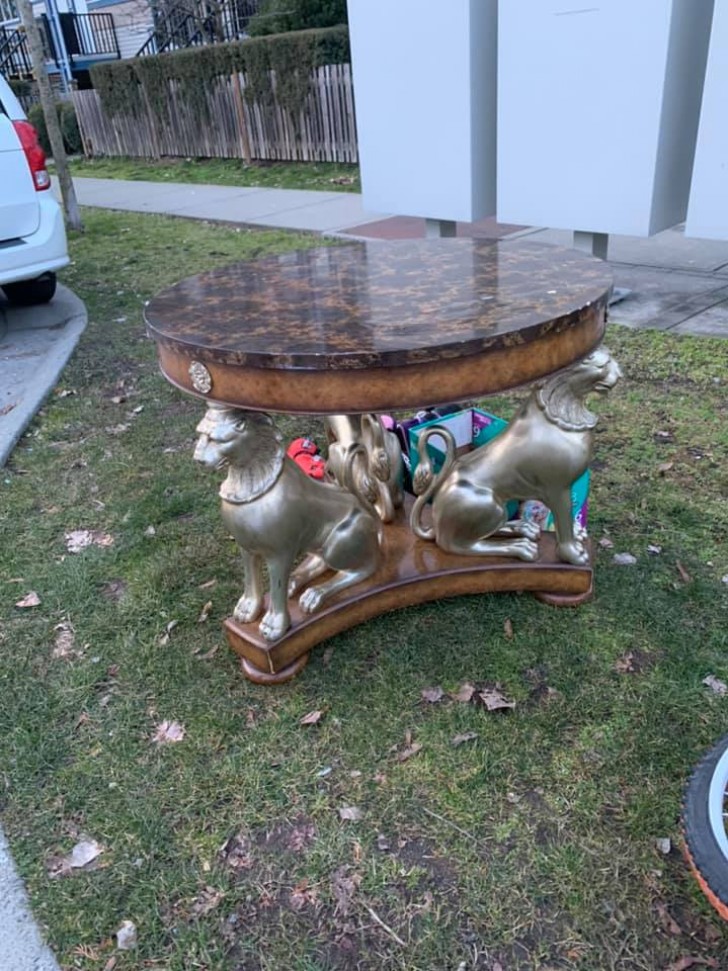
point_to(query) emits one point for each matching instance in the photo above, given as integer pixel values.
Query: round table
(376, 327)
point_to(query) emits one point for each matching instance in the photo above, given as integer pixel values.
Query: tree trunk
(35, 44)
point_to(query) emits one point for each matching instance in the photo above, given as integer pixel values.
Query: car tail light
(34, 154)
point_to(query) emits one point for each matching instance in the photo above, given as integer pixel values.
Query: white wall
(708, 209)
(425, 89)
(598, 105)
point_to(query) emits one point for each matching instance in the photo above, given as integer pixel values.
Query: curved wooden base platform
(413, 571)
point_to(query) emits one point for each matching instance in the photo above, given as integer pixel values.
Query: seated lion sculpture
(277, 513)
(544, 449)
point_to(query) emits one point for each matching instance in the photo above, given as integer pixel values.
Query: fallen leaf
(205, 612)
(654, 550)
(432, 694)
(667, 920)
(235, 852)
(665, 467)
(79, 539)
(343, 888)
(119, 399)
(312, 718)
(110, 964)
(167, 732)
(625, 663)
(663, 844)
(83, 719)
(717, 686)
(494, 699)
(624, 559)
(6, 409)
(65, 392)
(465, 692)
(206, 902)
(461, 739)
(126, 936)
(724, 579)
(138, 410)
(29, 600)
(165, 635)
(81, 855)
(207, 584)
(64, 644)
(682, 964)
(209, 654)
(508, 628)
(409, 751)
(150, 531)
(684, 575)
(606, 543)
(302, 895)
(351, 813)
(664, 436)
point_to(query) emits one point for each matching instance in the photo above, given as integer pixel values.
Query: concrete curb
(21, 946)
(50, 333)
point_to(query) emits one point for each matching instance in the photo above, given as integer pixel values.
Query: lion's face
(229, 437)
(562, 396)
(598, 372)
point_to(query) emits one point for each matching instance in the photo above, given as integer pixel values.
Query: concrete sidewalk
(35, 344)
(675, 284)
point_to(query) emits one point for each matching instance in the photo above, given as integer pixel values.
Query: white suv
(32, 233)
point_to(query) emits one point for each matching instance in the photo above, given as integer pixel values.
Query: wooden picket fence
(326, 130)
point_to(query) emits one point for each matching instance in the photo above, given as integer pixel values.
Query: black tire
(26, 293)
(706, 842)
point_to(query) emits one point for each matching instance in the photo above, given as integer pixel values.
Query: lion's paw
(573, 553)
(311, 599)
(524, 549)
(247, 609)
(529, 529)
(274, 625)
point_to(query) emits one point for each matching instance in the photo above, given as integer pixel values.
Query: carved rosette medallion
(201, 377)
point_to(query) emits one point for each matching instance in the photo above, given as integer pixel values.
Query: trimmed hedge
(69, 127)
(124, 86)
(279, 16)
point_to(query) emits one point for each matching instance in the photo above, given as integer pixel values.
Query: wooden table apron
(383, 326)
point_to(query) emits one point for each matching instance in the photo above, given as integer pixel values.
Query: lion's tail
(356, 478)
(425, 482)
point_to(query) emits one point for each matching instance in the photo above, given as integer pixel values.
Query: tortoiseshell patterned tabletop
(378, 304)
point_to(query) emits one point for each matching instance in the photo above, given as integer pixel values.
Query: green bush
(124, 86)
(281, 16)
(69, 127)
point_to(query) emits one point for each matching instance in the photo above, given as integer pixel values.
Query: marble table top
(378, 304)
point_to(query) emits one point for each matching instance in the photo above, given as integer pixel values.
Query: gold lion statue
(277, 514)
(544, 449)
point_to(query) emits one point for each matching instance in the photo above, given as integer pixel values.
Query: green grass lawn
(320, 176)
(530, 846)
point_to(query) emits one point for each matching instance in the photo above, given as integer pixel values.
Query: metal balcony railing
(87, 37)
(196, 22)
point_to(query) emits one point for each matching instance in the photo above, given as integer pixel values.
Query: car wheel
(25, 293)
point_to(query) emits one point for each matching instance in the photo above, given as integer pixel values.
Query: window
(8, 11)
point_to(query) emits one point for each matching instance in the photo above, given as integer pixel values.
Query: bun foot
(259, 676)
(565, 599)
